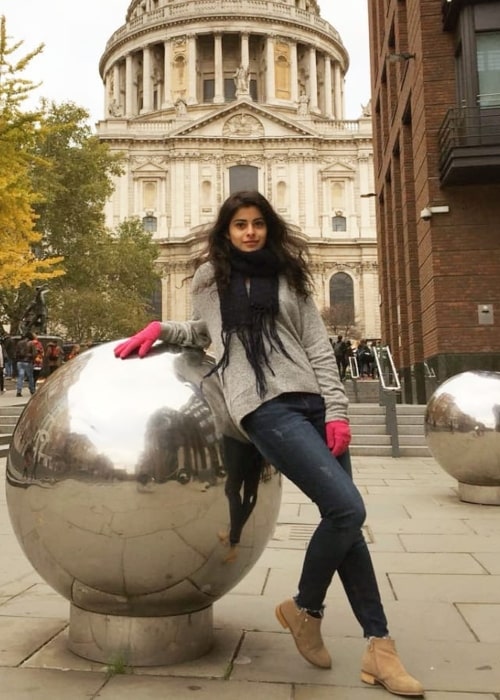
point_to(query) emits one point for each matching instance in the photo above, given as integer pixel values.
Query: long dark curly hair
(290, 249)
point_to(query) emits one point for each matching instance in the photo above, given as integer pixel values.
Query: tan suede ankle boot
(381, 664)
(305, 632)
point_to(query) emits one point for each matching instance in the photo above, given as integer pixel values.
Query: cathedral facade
(208, 97)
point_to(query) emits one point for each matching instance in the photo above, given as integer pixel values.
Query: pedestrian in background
(252, 299)
(339, 349)
(9, 355)
(38, 358)
(25, 354)
(364, 358)
(54, 356)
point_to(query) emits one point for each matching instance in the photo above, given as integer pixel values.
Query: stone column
(167, 75)
(108, 98)
(191, 97)
(147, 81)
(313, 80)
(328, 88)
(270, 75)
(218, 70)
(245, 54)
(339, 107)
(129, 86)
(244, 50)
(294, 75)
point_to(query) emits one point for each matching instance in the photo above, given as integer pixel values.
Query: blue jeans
(25, 368)
(289, 431)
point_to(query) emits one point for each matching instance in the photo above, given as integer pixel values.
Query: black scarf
(251, 314)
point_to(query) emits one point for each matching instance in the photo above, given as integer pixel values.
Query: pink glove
(338, 436)
(142, 341)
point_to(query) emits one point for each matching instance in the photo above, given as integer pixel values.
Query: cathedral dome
(171, 54)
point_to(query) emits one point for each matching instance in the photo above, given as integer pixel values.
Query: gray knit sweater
(311, 366)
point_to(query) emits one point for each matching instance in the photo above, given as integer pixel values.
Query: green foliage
(118, 666)
(117, 302)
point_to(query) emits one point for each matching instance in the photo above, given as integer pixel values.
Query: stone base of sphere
(483, 495)
(462, 429)
(140, 641)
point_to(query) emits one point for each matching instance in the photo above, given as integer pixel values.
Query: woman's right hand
(141, 341)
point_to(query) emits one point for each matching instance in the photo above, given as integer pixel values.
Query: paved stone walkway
(438, 564)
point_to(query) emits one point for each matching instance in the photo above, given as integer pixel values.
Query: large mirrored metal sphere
(462, 427)
(116, 485)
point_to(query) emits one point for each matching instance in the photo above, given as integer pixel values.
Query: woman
(252, 300)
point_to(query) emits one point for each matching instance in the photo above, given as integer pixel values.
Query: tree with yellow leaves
(20, 262)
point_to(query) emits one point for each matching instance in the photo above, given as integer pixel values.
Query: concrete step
(9, 415)
(8, 420)
(374, 440)
(410, 409)
(370, 451)
(368, 429)
(411, 429)
(369, 436)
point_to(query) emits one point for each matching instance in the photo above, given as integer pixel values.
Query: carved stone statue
(366, 110)
(35, 315)
(303, 106)
(114, 108)
(241, 80)
(180, 107)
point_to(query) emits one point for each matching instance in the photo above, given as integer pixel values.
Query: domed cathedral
(208, 97)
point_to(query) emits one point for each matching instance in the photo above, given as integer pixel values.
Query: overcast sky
(75, 35)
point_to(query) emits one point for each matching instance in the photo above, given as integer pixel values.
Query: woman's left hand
(338, 436)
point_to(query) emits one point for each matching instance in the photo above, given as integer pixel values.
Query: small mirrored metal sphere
(116, 485)
(462, 428)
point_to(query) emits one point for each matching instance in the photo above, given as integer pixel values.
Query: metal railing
(390, 387)
(465, 127)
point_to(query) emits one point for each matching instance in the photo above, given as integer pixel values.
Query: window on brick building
(488, 68)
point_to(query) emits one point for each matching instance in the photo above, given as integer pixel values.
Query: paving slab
(133, 687)
(483, 619)
(30, 684)
(21, 637)
(438, 564)
(450, 588)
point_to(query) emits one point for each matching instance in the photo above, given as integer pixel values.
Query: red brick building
(435, 70)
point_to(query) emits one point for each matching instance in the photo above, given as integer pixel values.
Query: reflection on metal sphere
(116, 492)
(462, 427)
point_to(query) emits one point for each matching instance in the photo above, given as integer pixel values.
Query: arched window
(342, 299)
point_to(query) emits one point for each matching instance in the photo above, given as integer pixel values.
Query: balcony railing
(469, 142)
(191, 10)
